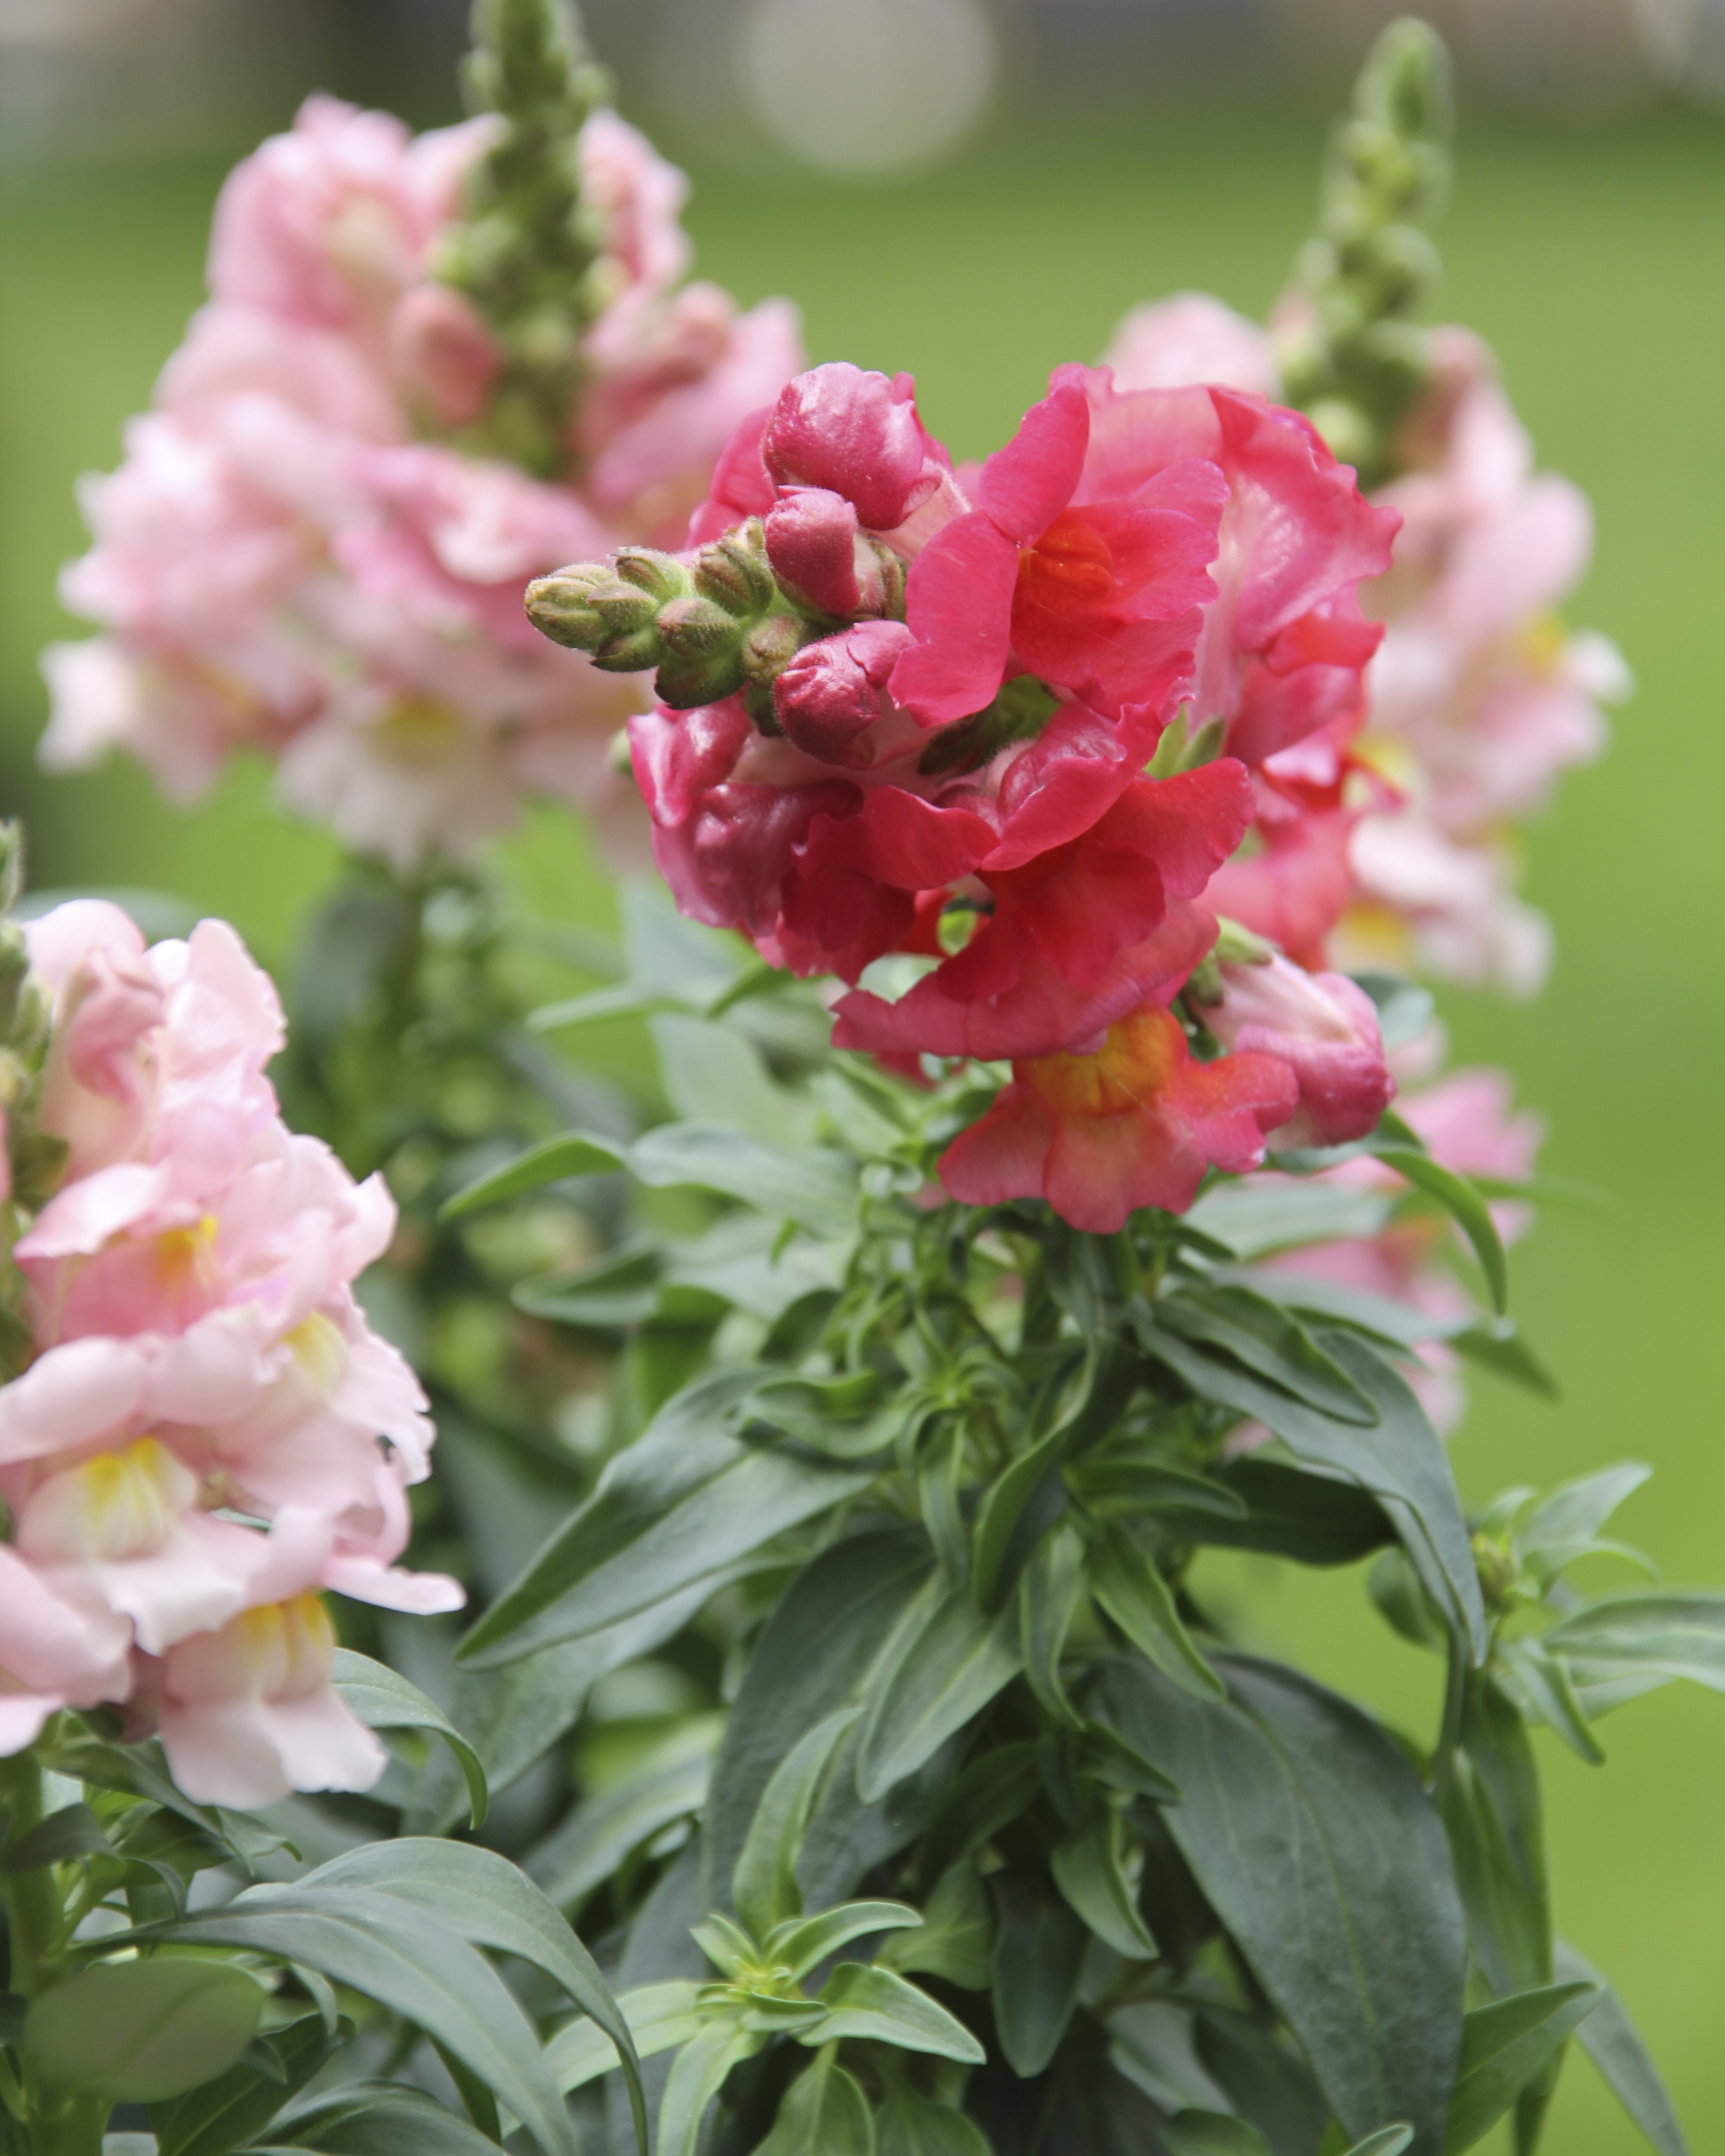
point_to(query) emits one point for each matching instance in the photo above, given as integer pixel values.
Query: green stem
(1443, 1770)
(33, 1905)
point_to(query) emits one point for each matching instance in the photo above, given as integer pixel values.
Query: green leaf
(73, 1832)
(374, 2119)
(551, 1161)
(1625, 1645)
(1050, 1588)
(1103, 1390)
(1504, 2046)
(946, 1662)
(822, 2113)
(1364, 1957)
(1499, 1346)
(141, 2031)
(1392, 2141)
(1090, 1869)
(696, 2076)
(381, 1699)
(1466, 1207)
(1402, 1462)
(763, 1887)
(814, 1187)
(1546, 1685)
(486, 1900)
(1193, 2133)
(218, 2115)
(1566, 1525)
(1610, 2041)
(1039, 1960)
(995, 1787)
(1494, 1817)
(659, 2015)
(597, 1837)
(908, 2124)
(391, 1950)
(1135, 1594)
(516, 1714)
(820, 1651)
(875, 2005)
(1264, 1338)
(1284, 1510)
(1256, 1215)
(956, 1937)
(681, 1504)
(803, 1943)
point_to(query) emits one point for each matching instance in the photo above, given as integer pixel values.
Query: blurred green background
(1589, 257)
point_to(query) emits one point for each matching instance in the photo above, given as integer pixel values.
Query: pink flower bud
(443, 354)
(812, 543)
(833, 692)
(1324, 1029)
(858, 435)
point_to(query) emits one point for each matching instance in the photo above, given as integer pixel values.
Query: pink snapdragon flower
(209, 1430)
(1135, 1124)
(1324, 1029)
(280, 565)
(248, 1713)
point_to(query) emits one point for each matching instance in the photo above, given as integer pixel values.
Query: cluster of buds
(1351, 351)
(722, 623)
(528, 252)
(198, 1429)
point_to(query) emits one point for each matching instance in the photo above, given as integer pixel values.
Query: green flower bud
(732, 572)
(662, 577)
(560, 606)
(771, 646)
(694, 628)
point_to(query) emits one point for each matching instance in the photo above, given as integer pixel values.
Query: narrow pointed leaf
(1269, 1341)
(1039, 1960)
(681, 1504)
(382, 1699)
(551, 1161)
(822, 2113)
(1089, 1871)
(953, 1661)
(1050, 1588)
(1504, 2046)
(802, 1944)
(875, 2004)
(1610, 2040)
(659, 2015)
(696, 2076)
(372, 2118)
(1141, 1604)
(908, 2124)
(764, 1886)
(389, 1949)
(814, 1187)
(490, 1903)
(1466, 1207)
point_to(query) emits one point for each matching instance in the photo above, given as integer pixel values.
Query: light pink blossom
(1192, 339)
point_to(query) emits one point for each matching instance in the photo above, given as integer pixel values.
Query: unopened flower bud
(694, 628)
(829, 696)
(12, 864)
(14, 972)
(662, 577)
(732, 572)
(858, 434)
(560, 606)
(771, 646)
(811, 543)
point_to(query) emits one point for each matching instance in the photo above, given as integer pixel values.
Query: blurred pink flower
(1189, 339)
(280, 565)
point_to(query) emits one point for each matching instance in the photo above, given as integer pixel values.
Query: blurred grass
(1591, 262)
